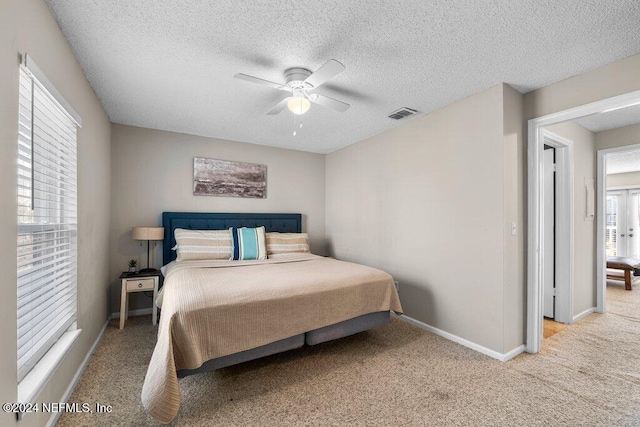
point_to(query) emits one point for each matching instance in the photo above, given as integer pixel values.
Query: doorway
(557, 226)
(535, 221)
(618, 229)
(549, 172)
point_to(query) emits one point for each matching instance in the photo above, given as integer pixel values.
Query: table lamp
(148, 234)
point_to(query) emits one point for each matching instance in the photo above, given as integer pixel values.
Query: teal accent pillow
(249, 243)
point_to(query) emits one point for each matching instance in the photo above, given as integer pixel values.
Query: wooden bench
(627, 265)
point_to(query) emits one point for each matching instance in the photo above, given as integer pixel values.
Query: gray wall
(430, 190)
(584, 240)
(426, 202)
(152, 172)
(27, 26)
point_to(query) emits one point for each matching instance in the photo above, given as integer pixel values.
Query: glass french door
(623, 223)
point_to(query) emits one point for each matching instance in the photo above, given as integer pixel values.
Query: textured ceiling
(612, 119)
(625, 161)
(169, 65)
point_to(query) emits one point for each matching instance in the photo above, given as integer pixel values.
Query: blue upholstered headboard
(284, 223)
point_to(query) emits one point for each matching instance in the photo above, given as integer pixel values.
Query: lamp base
(147, 270)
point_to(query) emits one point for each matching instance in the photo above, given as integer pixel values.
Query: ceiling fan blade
(257, 80)
(277, 109)
(327, 102)
(324, 73)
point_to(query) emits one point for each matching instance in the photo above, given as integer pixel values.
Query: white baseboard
(67, 394)
(584, 314)
(513, 353)
(138, 312)
(503, 357)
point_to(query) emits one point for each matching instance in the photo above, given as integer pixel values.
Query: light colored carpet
(588, 374)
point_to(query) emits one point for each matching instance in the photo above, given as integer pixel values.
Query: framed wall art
(212, 177)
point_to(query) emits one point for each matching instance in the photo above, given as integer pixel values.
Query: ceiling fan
(300, 82)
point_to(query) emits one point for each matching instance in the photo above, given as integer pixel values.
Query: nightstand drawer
(140, 285)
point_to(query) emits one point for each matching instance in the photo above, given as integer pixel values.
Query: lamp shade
(298, 105)
(147, 233)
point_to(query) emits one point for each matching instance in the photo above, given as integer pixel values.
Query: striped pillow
(282, 243)
(249, 243)
(203, 244)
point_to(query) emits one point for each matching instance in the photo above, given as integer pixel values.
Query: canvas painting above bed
(212, 177)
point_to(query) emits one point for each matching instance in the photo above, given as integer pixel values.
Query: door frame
(601, 236)
(535, 203)
(563, 225)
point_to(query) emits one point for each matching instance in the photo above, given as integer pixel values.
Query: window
(47, 220)
(612, 225)
(623, 223)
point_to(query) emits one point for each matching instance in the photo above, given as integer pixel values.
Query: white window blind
(47, 222)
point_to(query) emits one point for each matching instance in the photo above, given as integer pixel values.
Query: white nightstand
(138, 283)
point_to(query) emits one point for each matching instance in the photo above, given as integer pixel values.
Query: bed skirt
(317, 336)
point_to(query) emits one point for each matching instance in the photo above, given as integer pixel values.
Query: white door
(549, 274)
(623, 223)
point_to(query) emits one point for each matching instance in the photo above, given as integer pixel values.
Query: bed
(217, 313)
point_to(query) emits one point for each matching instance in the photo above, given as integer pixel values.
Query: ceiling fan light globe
(298, 105)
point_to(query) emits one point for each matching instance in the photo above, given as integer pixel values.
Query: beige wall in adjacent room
(425, 202)
(629, 179)
(28, 26)
(620, 137)
(584, 232)
(152, 172)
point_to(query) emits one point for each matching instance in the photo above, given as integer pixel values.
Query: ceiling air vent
(402, 113)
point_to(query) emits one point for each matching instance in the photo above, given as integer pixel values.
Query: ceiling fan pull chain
(294, 124)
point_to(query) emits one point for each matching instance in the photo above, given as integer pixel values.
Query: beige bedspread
(216, 308)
